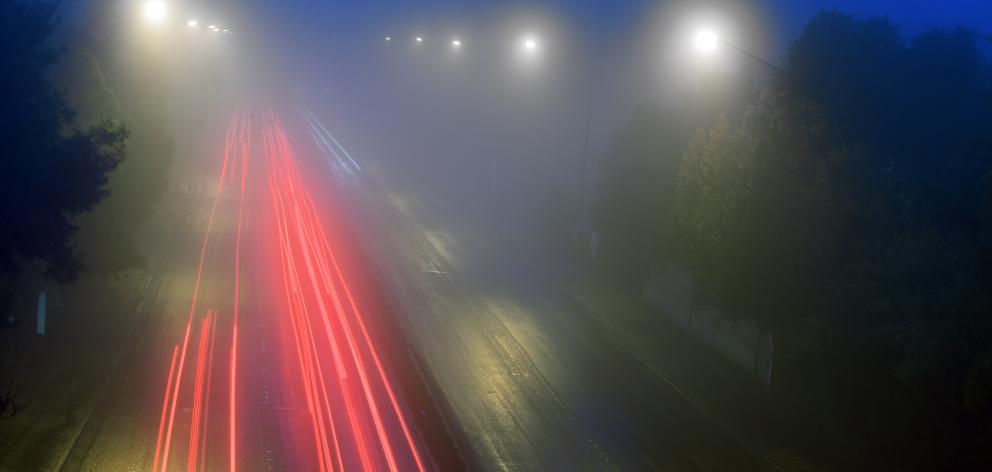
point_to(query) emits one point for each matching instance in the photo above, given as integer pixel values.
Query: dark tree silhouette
(50, 171)
(849, 215)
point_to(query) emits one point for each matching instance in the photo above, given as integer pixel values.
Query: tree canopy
(106, 237)
(50, 170)
(849, 213)
(638, 175)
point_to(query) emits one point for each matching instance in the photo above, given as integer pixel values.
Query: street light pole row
(157, 12)
(528, 43)
(706, 41)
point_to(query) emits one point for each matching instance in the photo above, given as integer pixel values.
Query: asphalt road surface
(530, 380)
(260, 346)
(307, 317)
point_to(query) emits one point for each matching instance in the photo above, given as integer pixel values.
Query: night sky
(608, 56)
(619, 54)
(621, 35)
(372, 18)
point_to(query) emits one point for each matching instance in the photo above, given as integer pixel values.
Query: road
(531, 379)
(310, 317)
(261, 343)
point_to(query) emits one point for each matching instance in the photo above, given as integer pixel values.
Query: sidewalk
(61, 376)
(731, 397)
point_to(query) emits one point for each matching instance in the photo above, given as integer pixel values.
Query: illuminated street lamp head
(420, 39)
(155, 11)
(706, 41)
(192, 23)
(456, 43)
(530, 44)
(388, 38)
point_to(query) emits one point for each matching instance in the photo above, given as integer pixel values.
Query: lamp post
(156, 11)
(529, 53)
(707, 42)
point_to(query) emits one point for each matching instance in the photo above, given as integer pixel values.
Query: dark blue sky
(911, 15)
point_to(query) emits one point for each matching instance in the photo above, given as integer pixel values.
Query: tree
(50, 171)
(78, 75)
(757, 214)
(106, 235)
(919, 110)
(915, 297)
(638, 176)
(849, 215)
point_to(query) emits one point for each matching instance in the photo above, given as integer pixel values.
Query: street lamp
(420, 39)
(706, 41)
(456, 44)
(529, 44)
(529, 49)
(156, 11)
(192, 23)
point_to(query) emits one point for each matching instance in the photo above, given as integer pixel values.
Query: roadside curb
(155, 278)
(74, 440)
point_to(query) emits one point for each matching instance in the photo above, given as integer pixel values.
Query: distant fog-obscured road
(530, 380)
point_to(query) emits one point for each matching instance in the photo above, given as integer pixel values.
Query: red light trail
(235, 151)
(318, 292)
(165, 407)
(243, 140)
(356, 421)
(199, 391)
(175, 396)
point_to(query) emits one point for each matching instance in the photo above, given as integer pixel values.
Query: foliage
(757, 212)
(106, 239)
(107, 236)
(50, 171)
(854, 198)
(638, 176)
(78, 75)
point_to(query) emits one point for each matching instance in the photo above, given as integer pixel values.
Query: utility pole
(582, 220)
(743, 51)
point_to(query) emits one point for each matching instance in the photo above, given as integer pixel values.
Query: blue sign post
(41, 313)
